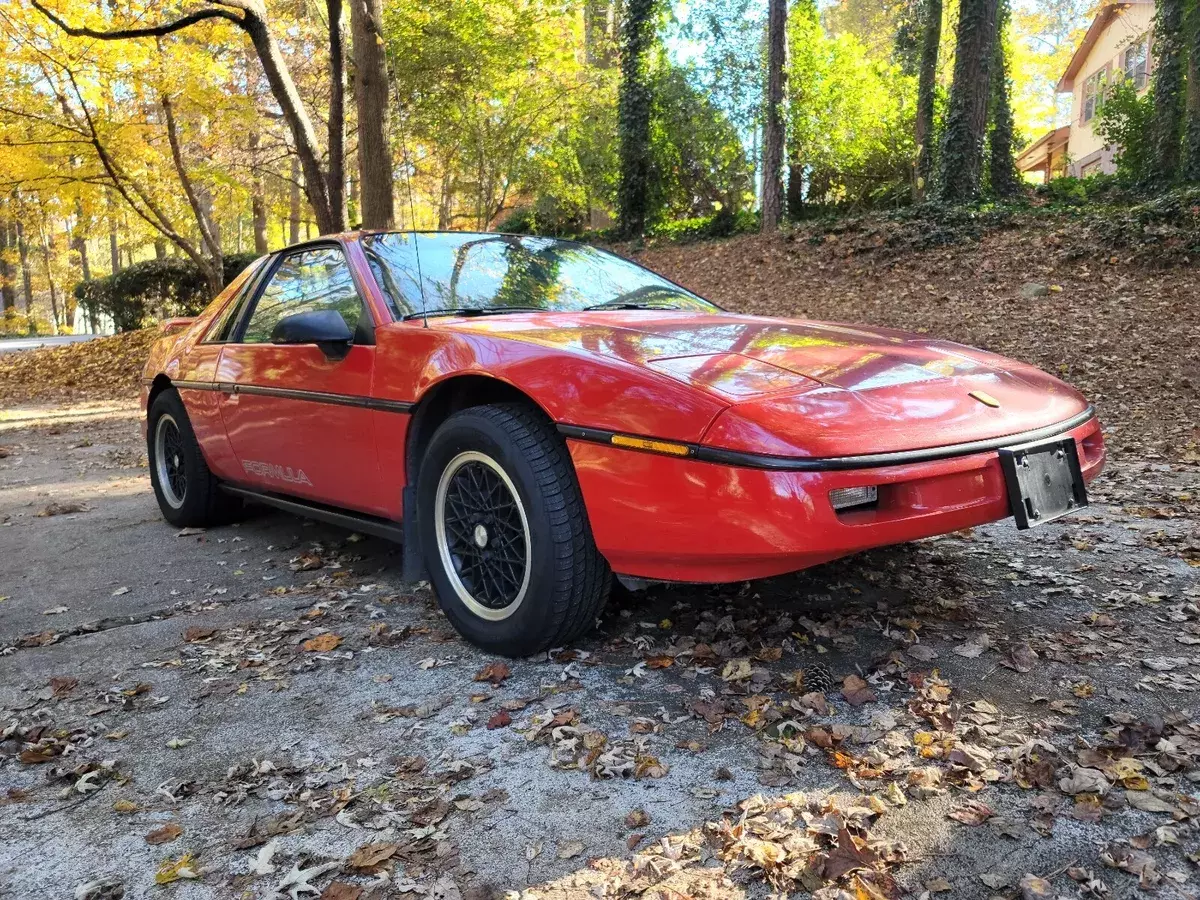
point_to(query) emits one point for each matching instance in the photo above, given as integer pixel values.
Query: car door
(296, 415)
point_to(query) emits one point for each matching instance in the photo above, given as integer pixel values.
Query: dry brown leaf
(322, 643)
(494, 673)
(369, 857)
(164, 834)
(857, 691)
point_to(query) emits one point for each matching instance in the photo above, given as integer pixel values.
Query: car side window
(306, 281)
(222, 324)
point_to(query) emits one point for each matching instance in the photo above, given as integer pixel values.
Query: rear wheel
(505, 533)
(188, 494)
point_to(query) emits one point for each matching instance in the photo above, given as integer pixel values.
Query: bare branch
(199, 15)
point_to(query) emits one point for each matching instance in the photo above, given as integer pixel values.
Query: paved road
(32, 343)
(164, 694)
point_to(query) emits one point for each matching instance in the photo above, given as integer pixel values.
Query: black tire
(202, 503)
(568, 581)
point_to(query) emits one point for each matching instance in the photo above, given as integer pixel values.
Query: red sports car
(530, 416)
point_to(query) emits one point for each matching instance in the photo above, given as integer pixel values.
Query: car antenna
(412, 221)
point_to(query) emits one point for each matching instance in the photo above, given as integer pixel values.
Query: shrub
(725, 222)
(15, 324)
(1126, 122)
(170, 287)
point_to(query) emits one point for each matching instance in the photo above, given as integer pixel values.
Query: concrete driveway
(265, 710)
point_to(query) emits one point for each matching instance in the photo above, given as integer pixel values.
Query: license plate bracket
(1044, 479)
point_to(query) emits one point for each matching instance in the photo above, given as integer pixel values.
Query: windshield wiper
(471, 311)
(627, 304)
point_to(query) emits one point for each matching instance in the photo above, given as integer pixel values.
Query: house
(1116, 46)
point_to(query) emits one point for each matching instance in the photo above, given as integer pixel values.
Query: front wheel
(505, 533)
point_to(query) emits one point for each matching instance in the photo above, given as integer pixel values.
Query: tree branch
(199, 15)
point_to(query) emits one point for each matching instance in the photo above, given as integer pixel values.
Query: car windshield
(476, 274)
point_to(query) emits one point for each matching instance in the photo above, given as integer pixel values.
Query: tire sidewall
(533, 618)
(168, 402)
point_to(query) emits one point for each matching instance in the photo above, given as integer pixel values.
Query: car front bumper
(671, 519)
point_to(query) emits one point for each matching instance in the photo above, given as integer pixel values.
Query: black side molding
(740, 459)
(372, 525)
(399, 406)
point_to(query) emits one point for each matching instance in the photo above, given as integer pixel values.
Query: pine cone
(817, 678)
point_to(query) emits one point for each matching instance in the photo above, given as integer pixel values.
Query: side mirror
(324, 327)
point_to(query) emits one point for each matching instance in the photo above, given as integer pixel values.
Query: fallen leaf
(1020, 658)
(369, 857)
(972, 812)
(341, 890)
(175, 869)
(1084, 781)
(164, 834)
(494, 673)
(500, 720)
(857, 691)
(847, 856)
(322, 643)
(1033, 887)
(570, 849)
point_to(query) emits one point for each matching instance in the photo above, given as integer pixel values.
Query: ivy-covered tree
(966, 120)
(1002, 169)
(1169, 52)
(1191, 131)
(930, 44)
(638, 38)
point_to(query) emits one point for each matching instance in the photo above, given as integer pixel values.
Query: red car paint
(771, 387)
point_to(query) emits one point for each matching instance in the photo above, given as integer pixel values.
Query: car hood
(812, 388)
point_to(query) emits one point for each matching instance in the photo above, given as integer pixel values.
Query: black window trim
(416, 233)
(250, 301)
(233, 309)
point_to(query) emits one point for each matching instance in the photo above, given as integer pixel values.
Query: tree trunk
(8, 290)
(47, 252)
(599, 25)
(931, 42)
(371, 97)
(795, 189)
(772, 190)
(160, 248)
(1191, 136)
(966, 120)
(1168, 88)
(200, 201)
(638, 34)
(80, 242)
(1002, 167)
(336, 177)
(114, 245)
(258, 200)
(26, 269)
(294, 204)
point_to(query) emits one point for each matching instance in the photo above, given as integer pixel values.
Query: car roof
(357, 234)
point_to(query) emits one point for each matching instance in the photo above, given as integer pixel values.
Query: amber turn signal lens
(666, 447)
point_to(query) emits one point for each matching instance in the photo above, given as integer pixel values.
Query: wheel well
(445, 399)
(160, 384)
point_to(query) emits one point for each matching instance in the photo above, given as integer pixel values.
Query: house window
(1088, 169)
(1093, 94)
(1134, 61)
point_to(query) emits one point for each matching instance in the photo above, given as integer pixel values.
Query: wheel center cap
(481, 536)
(176, 461)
